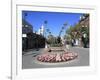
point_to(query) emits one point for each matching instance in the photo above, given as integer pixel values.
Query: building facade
(85, 26)
(31, 40)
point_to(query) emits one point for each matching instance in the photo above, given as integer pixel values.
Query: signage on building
(24, 35)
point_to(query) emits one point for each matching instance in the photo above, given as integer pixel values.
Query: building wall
(32, 40)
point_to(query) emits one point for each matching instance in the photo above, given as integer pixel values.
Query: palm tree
(63, 27)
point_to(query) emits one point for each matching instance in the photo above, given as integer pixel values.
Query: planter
(57, 57)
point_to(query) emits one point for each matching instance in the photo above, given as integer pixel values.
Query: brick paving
(28, 60)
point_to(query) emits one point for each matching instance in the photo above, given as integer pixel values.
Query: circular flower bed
(56, 57)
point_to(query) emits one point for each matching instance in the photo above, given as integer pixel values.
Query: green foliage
(77, 31)
(56, 45)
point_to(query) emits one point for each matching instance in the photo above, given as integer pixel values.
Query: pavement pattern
(29, 59)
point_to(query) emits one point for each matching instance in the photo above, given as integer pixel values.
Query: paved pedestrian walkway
(28, 60)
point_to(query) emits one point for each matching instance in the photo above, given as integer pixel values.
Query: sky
(55, 20)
